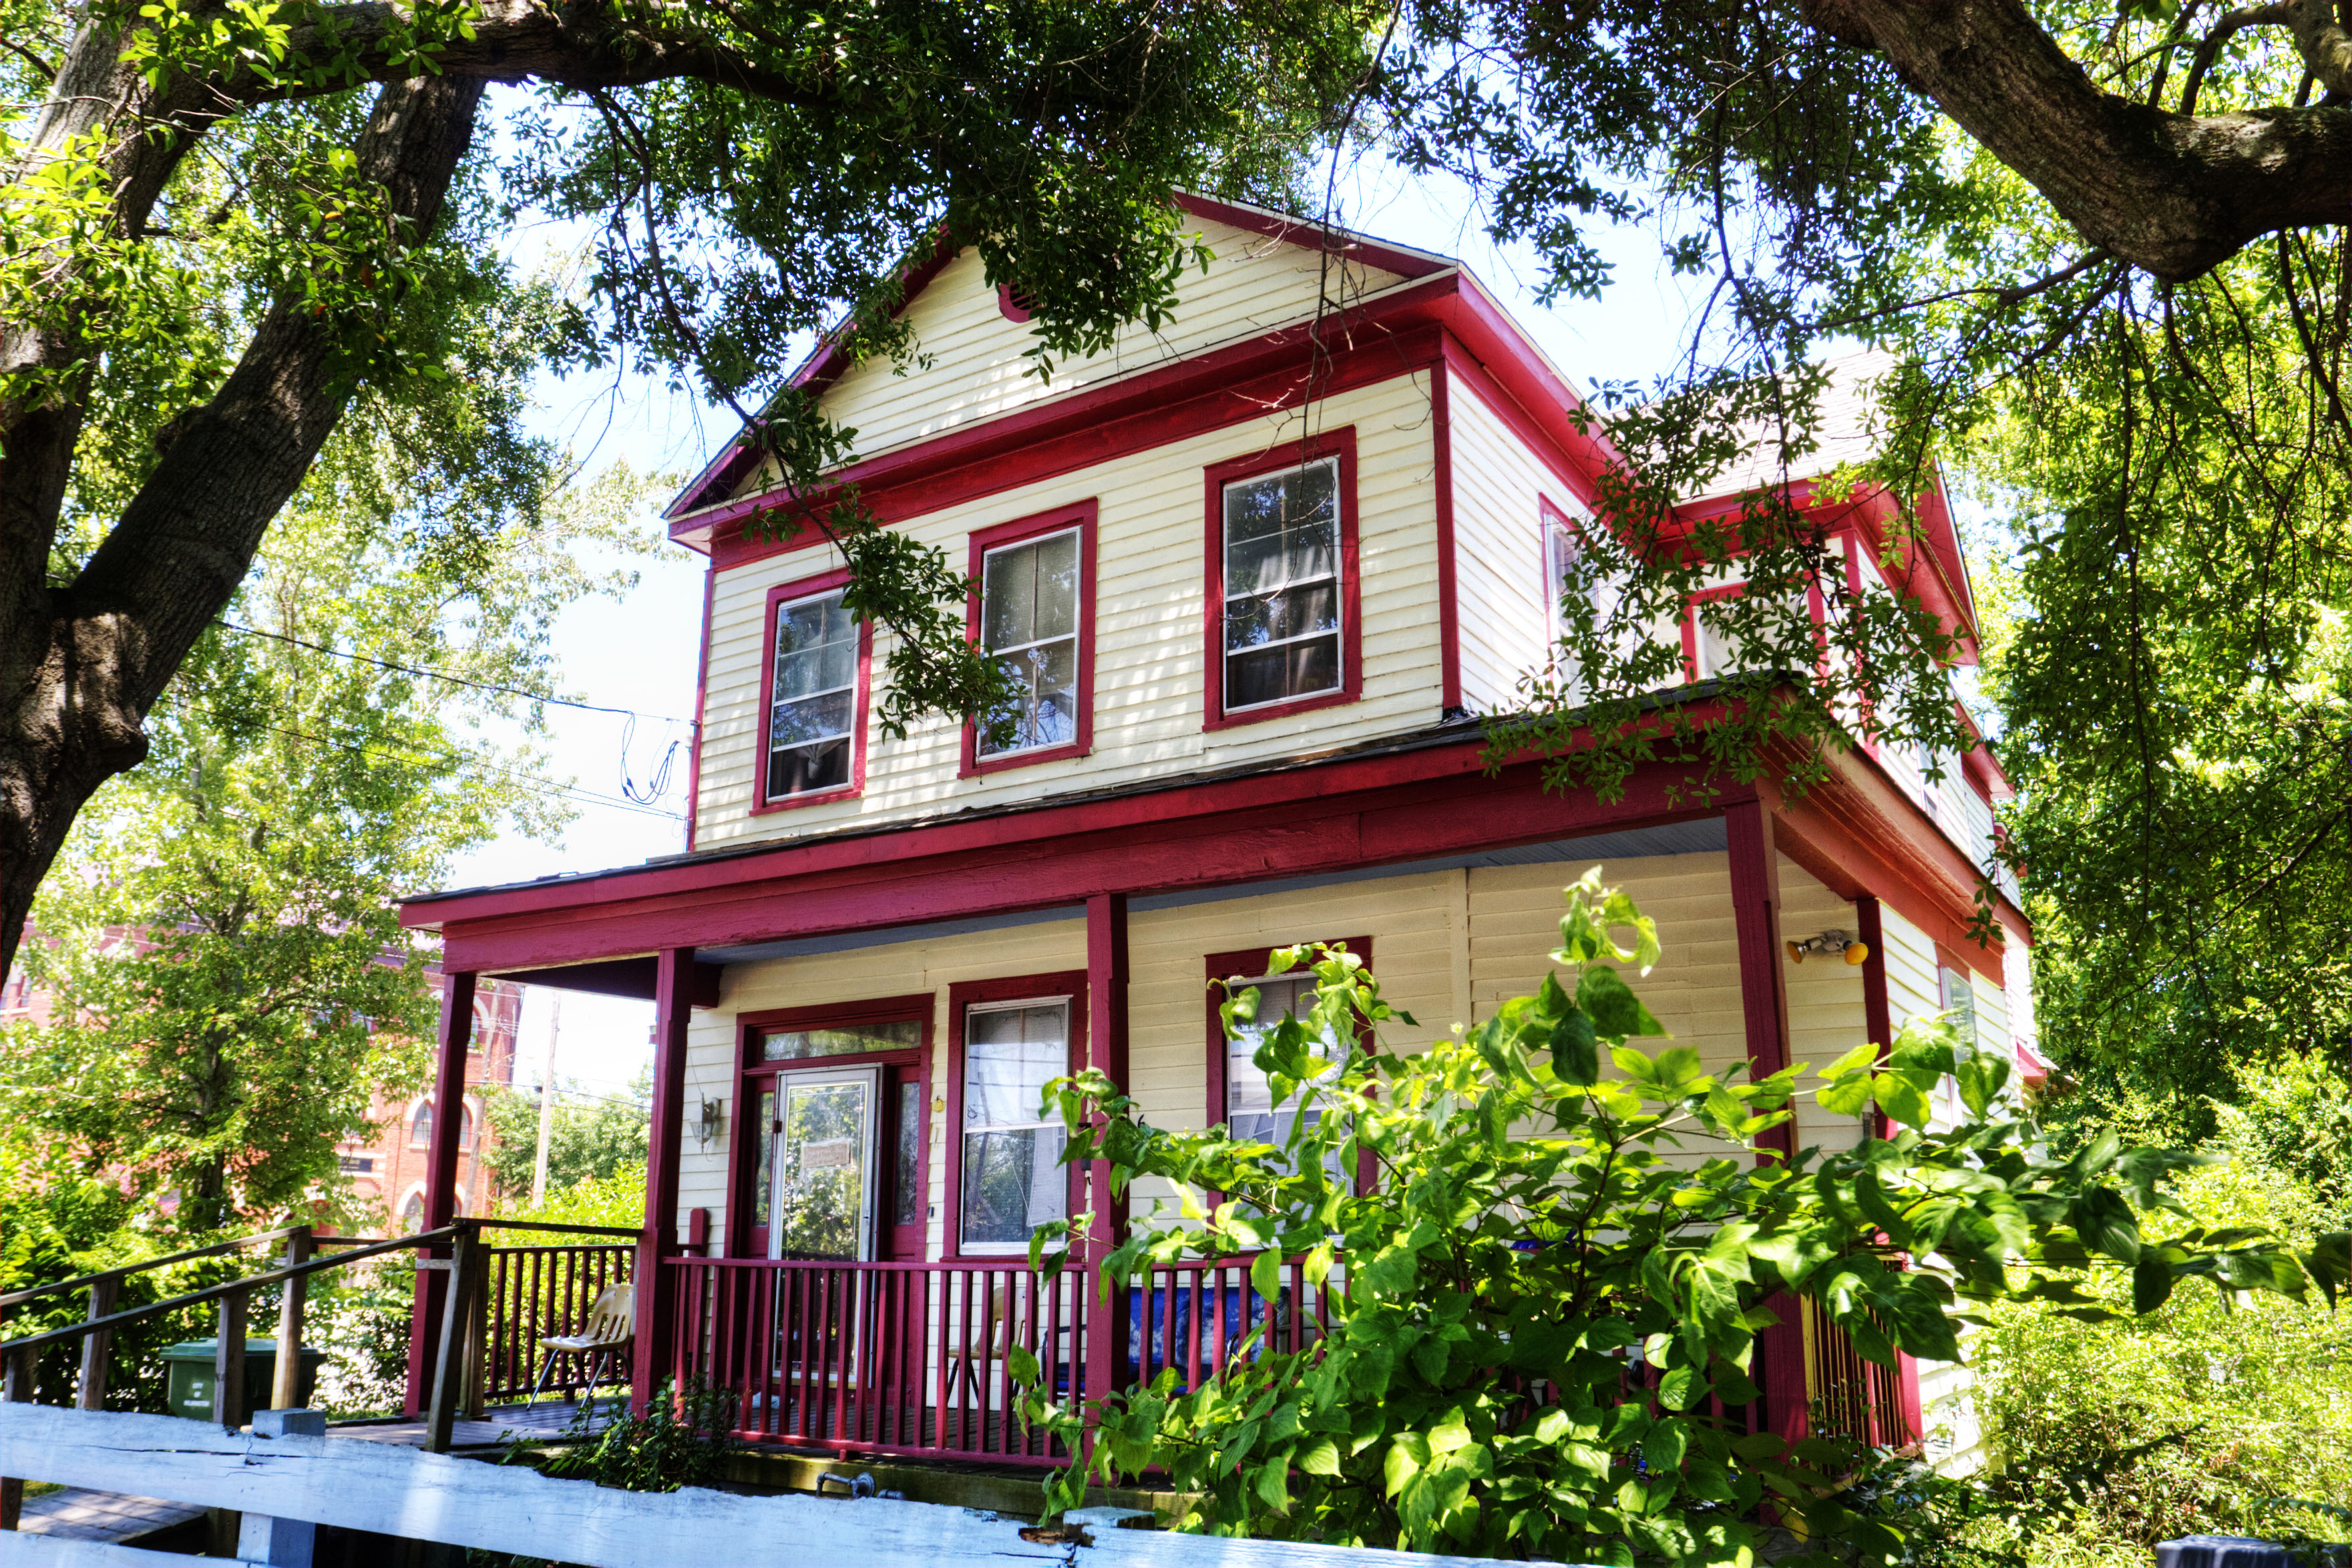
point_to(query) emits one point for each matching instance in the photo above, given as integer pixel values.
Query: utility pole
(546, 1102)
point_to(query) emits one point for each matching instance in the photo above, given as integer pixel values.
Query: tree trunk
(80, 665)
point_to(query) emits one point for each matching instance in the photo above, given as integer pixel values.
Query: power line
(552, 785)
(489, 686)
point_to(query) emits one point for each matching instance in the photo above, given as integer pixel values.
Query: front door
(822, 1186)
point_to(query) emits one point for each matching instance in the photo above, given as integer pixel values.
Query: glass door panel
(823, 1184)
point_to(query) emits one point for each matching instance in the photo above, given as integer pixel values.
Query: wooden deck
(539, 1423)
(70, 1514)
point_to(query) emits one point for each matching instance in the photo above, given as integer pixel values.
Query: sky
(641, 654)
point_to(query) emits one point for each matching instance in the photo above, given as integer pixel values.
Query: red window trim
(1250, 963)
(1338, 443)
(1813, 607)
(1009, 308)
(1070, 983)
(1083, 516)
(801, 588)
(751, 1072)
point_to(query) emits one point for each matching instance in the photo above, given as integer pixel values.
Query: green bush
(1552, 1291)
(2192, 1415)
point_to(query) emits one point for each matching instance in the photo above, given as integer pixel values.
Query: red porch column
(657, 1304)
(1764, 1008)
(441, 1175)
(1106, 1049)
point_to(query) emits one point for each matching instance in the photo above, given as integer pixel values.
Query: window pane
(762, 1182)
(907, 1181)
(1295, 613)
(808, 768)
(1057, 586)
(1046, 706)
(1281, 566)
(1008, 597)
(813, 638)
(1009, 1053)
(791, 1045)
(1295, 669)
(812, 719)
(1012, 1183)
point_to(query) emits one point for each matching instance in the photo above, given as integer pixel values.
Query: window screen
(1013, 1181)
(1282, 585)
(1029, 619)
(811, 725)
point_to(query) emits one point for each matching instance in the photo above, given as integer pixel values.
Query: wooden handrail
(83, 1282)
(34, 1343)
(566, 1229)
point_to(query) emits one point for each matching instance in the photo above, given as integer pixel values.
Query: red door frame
(752, 1074)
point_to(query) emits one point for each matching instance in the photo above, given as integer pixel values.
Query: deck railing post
(441, 1173)
(15, 1388)
(286, 1382)
(466, 1278)
(97, 1346)
(1099, 1316)
(280, 1543)
(656, 1285)
(228, 1361)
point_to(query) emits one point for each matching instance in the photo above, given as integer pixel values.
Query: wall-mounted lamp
(1828, 942)
(712, 1122)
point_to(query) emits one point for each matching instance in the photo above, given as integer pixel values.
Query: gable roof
(829, 360)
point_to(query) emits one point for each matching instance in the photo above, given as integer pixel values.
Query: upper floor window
(420, 1132)
(1283, 587)
(815, 693)
(1034, 607)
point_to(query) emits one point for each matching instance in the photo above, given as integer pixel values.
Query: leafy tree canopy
(592, 1137)
(226, 979)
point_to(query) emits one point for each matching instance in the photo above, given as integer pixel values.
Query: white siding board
(1148, 616)
(979, 362)
(1498, 488)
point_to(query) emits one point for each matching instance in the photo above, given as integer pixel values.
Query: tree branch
(2173, 195)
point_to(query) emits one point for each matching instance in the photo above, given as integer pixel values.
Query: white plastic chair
(611, 1325)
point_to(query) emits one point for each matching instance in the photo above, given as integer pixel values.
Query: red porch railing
(916, 1358)
(533, 1293)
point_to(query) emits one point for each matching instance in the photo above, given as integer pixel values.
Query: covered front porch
(843, 1174)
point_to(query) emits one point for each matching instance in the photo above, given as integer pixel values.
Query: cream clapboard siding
(1694, 990)
(1448, 945)
(887, 969)
(1148, 616)
(1498, 551)
(979, 363)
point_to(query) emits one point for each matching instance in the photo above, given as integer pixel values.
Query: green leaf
(1575, 1050)
(2151, 1282)
(1320, 1459)
(1266, 1274)
(1902, 1100)
(1616, 1011)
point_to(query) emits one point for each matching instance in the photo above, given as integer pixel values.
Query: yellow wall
(1448, 946)
(1148, 612)
(979, 364)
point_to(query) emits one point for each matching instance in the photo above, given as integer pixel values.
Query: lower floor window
(1011, 1180)
(1251, 1111)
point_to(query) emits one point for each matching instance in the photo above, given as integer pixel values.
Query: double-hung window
(1029, 614)
(1251, 1111)
(1011, 1179)
(812, 703)
(1282, 586)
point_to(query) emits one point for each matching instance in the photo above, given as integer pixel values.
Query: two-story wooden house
(1260, 584)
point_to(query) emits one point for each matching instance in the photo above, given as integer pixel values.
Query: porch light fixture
(712, 1121)
(1832, 941)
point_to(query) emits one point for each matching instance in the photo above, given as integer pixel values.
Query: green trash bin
(191, 1386)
